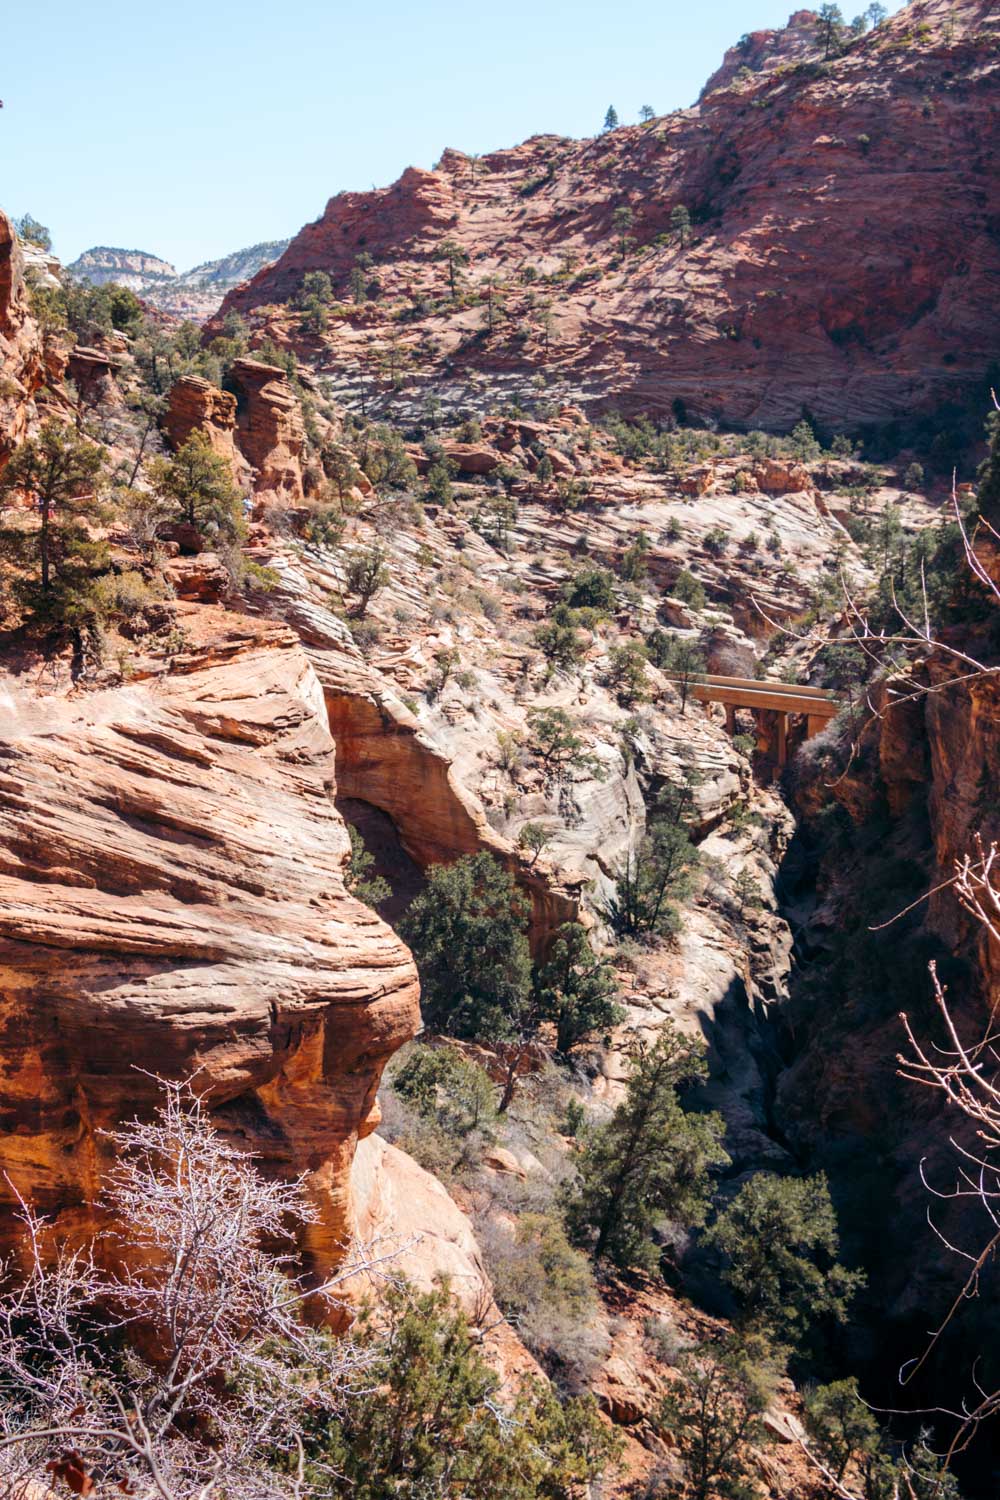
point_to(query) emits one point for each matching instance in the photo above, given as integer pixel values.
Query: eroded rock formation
(269, 428)
(22, 364)
(172, 900)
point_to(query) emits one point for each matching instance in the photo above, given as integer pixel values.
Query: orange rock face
(843, 254)
(197, 405)
(22, 361)
(171, 900)
(269, 428)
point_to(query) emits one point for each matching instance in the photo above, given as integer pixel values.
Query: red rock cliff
(844, 254)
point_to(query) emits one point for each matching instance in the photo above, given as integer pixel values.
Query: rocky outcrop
(269, 428)
(843, 255)
(172, 900)
(419, 205)
(93, 372)
(22, 362)
(385, 758)
(763, 51)
(195, 405)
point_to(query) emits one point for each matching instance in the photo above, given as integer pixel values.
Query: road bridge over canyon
(772, 705)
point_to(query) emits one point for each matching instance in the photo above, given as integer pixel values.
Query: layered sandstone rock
(269, 428)
(843, 256)
(171, 900)
(195, 405)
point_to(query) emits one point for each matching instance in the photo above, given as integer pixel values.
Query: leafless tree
(169, 1359)
(967, 1074)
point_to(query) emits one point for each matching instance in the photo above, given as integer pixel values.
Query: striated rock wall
(843, 255)
(171, 900)
(269, 428)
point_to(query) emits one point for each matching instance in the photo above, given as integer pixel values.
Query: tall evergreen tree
(52, 545)
(198, 482)
(467, 932)
(576, 989)
(650, 1162)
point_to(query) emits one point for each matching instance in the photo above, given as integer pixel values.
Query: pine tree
(715, 1417)
(611, 118)
(830, 22)
(680, 223)
(467, 933)
(52, 546)
(780, 1237)
(648, 881)
(650, 1162)
(198, 482)
(623, 219)
(576, 989)
(429, 1420)
(454, 256)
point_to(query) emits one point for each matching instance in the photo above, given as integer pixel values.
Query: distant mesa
(196, 293)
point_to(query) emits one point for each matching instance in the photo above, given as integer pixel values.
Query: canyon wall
(22, 364)
(843, 256)
(172, 902)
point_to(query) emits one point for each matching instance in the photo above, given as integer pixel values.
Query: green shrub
(443, 1086)
(429, 1419)
(650, 1163)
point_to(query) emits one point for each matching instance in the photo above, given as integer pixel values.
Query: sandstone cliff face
(269, 428)
(843, 256)
(21, 357)
(172, 900)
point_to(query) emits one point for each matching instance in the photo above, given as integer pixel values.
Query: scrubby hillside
(818, 233)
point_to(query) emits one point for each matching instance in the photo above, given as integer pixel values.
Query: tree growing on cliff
(198, 482)
(576, 989)
(366, 574)
(680, 223)
(650, 1163)
(611, 119)
(649, 880)
(623, 218)
(560, 748)
(779, 1235)
(647, 113)
(830, 25)
(715, 1415)
(52, 546)
(467, 932)
(451, 252)
(359, 875)
(679, 657)
(32, 232)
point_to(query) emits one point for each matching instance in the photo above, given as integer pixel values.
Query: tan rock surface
(171, 899)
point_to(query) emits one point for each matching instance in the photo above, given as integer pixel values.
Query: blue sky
(190, 128)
